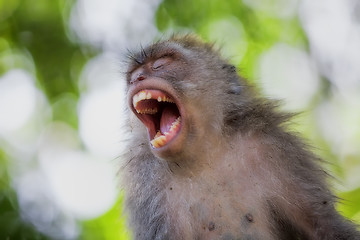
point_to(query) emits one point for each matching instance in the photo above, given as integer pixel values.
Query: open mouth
(159, 113)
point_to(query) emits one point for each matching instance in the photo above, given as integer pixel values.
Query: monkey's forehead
(155, 51)
(177, 47)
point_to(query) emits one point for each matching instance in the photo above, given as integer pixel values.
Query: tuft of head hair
(192, 41)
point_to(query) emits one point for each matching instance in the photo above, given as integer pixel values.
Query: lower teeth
(160, 139)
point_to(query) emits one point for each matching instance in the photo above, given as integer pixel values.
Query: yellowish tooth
(164, 99)
(154, 143)
(147, 111)
(172, 127)
(142, 95)
(175, 124)
(148, 96)
(135, 100)
(150, 110)
(158, 134)
(162, 140)
(158, 141)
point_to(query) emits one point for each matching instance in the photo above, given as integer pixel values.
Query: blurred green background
(61, 96)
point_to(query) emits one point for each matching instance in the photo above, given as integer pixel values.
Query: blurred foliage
(350, 208)
(109, 226)
(37, 31)
(11, 224)
(34, 36)
(261, 30)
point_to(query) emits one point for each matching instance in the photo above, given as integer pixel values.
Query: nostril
(139, 77)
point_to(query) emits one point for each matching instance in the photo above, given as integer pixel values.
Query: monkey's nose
(138, 78)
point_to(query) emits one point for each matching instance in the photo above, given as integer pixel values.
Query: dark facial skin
(209, 159)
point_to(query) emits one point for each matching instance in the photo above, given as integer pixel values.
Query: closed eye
(159, 63)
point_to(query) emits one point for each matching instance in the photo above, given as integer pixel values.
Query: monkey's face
(157, 104)
(177, 96)
(166, 93)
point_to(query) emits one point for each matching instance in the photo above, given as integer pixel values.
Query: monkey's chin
(160, 113)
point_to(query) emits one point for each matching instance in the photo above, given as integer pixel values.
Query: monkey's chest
(216, 211)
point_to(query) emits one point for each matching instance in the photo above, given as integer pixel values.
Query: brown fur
(238, 174)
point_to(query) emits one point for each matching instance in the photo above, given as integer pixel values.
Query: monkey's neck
(200, 157)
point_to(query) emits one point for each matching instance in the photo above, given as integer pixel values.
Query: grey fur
(277, 190)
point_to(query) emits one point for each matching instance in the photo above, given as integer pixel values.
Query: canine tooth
(135, 100)
(159, 99)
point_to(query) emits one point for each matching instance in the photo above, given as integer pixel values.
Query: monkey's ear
(235, 87)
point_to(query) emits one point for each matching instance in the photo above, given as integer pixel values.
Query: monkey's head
(181, 90)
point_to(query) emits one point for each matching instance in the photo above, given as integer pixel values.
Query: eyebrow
(138, 57)
(152, 52)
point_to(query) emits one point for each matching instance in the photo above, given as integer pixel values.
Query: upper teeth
(143, 95)
(140, 96)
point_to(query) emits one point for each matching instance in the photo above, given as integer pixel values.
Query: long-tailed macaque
(210, 159)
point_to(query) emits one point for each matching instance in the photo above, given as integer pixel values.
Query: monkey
(209, 158)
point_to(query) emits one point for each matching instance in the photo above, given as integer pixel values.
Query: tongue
(169, 115)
